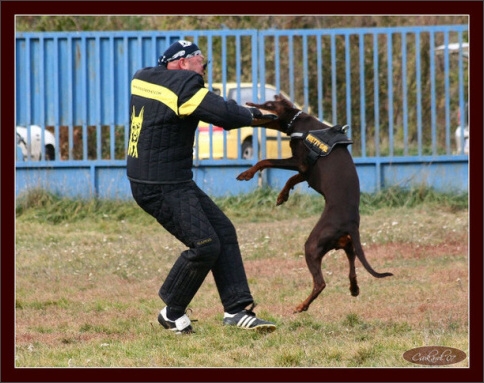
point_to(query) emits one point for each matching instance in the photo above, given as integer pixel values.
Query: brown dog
(333, 174)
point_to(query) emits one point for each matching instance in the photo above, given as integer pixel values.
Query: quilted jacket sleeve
(209, 107)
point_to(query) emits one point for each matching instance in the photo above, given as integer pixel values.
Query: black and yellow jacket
(166, 107)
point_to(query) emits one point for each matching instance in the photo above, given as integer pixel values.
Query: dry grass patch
(86, 294)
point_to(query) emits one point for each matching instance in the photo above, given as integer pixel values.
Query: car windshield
(246, 95)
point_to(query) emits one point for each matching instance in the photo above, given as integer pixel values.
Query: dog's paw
(280, 201)
(300, 308)
(355, 291)
(281, 198)
(245, 176)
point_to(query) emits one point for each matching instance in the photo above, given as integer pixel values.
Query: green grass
(256, 206)
(96, 267)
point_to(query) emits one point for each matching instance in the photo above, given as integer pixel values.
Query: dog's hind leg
(318, 284)
(315, 249)
(346, 244)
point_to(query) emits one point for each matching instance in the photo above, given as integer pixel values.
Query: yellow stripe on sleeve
(188, 107)
(155, 92)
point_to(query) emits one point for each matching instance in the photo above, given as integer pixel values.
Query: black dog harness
(321, 142)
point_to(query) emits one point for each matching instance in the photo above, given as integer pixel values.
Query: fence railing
(77, 86)
(400, 89)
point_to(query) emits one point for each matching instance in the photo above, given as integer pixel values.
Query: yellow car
(212, 142)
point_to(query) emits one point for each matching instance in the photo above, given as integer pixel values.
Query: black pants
(191, 216)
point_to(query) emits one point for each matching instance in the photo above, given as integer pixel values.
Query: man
(167, 103)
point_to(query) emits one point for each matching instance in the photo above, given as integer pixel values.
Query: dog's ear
(284, 100)
(279, 97)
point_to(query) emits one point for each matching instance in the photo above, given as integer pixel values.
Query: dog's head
(280, 106)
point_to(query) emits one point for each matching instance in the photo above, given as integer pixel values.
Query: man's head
(183, 55)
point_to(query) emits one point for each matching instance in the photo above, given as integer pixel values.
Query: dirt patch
(428, 282)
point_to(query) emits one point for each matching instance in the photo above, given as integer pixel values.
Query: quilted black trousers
(185, 211)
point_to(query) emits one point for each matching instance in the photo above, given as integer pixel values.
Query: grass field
(88, 272)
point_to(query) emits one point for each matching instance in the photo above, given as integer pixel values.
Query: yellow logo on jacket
(136, 123)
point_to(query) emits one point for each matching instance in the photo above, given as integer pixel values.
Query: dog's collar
(289, 125)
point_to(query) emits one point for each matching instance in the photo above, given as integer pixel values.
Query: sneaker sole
(262, 328)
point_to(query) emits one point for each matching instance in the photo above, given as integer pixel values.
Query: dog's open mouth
(266, 111)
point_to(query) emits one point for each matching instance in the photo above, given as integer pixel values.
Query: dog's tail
(355, 237)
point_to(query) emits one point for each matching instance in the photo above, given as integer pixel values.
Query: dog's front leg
(249, 173)
(291, 182)
(288, 163)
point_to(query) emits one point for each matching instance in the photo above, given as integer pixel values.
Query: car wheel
(49, 153)
(247, 149)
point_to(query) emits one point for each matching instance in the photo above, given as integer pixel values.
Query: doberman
(329, 169)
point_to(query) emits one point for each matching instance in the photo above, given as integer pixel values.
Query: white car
(32, 149)
(462, 134)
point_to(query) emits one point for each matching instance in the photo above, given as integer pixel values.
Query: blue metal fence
(71, 81)
(400, 89)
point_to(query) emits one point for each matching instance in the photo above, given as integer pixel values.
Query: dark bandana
(178, 50)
